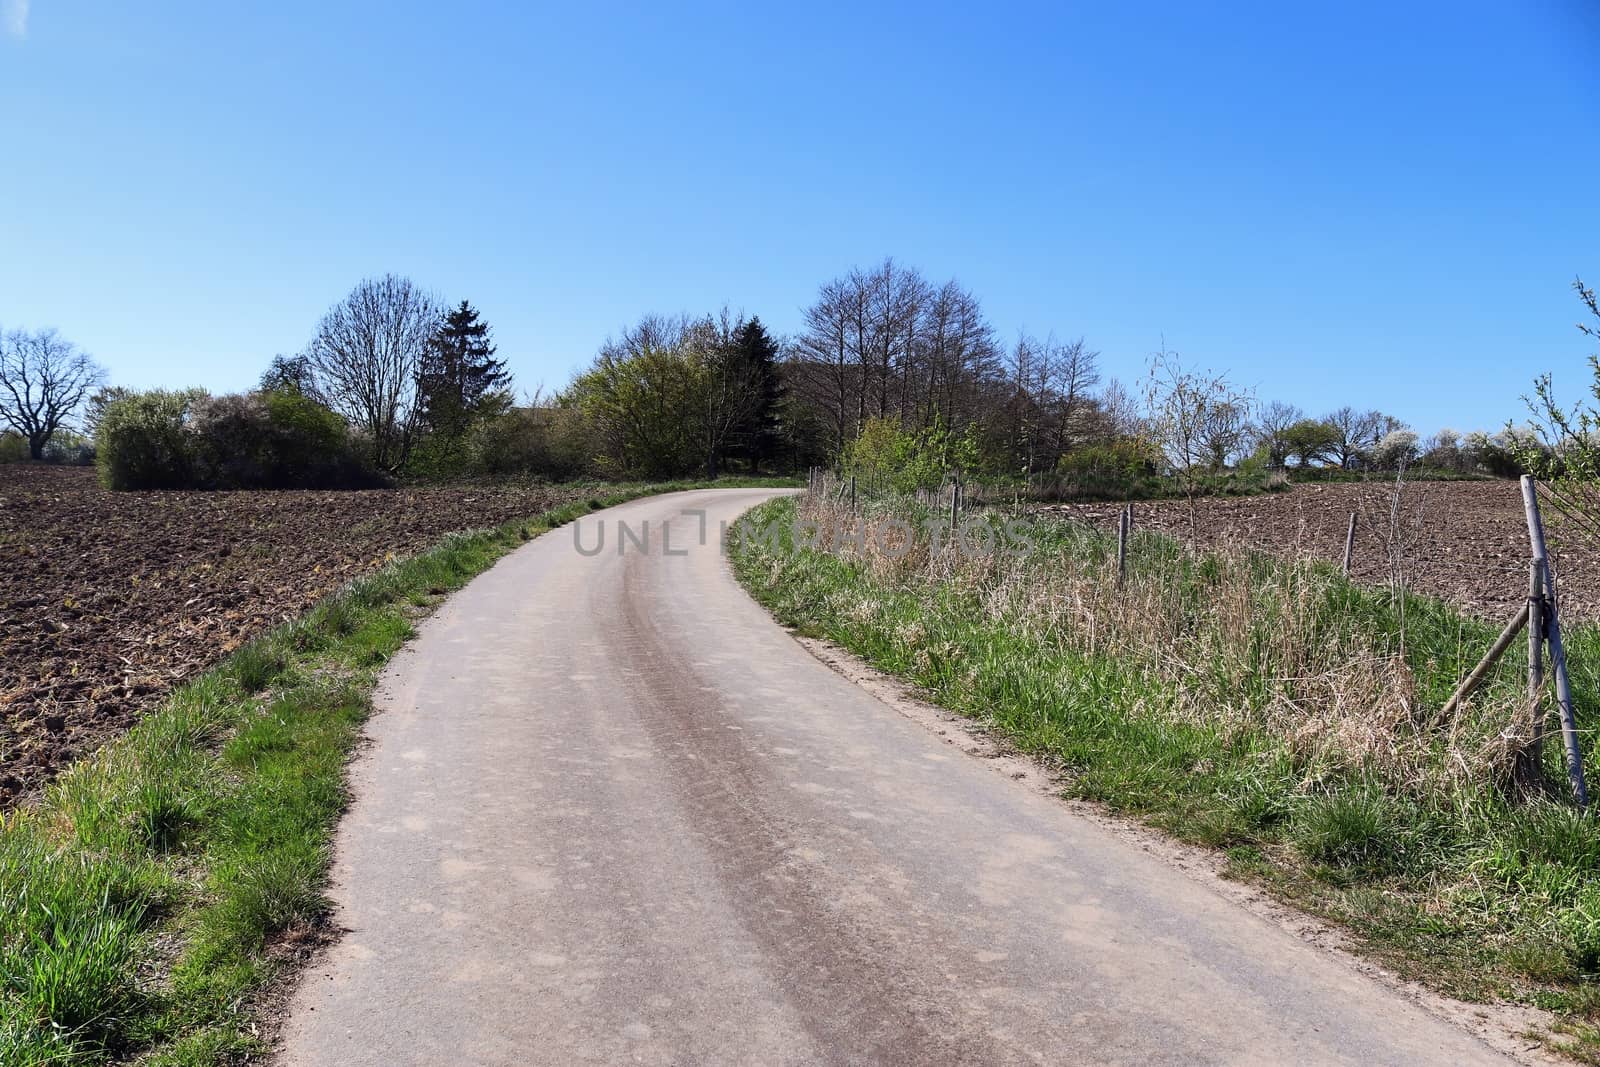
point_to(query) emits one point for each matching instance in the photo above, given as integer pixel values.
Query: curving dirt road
(612, 813)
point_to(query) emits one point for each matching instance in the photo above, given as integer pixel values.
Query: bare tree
(827, 358)
(1189, 413)
(1272, 426)
(1358, 431)
(365, 356)
(1073, 370)
(44, 381)
(1120, 410)
(960, 354)
(1225, 431)
(1027, 368)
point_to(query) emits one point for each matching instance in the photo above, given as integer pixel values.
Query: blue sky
(1371, 203)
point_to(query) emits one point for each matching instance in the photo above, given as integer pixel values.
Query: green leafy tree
(1311, 441)
(886, 456)
(642, 405)
(459, 380)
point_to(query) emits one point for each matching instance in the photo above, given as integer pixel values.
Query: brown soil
(1465, 542)
(109, 600)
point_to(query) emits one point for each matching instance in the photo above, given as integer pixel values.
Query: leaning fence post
(1558, 654)
(1349, 543)
(955, 503)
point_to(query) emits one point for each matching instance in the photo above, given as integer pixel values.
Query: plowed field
(109, 600)
(1466, 542)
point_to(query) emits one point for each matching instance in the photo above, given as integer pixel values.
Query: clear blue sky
(1355, 202)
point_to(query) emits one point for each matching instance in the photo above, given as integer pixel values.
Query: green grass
(163, 883)
(1269, 709)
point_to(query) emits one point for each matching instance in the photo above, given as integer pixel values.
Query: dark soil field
(1465, 542)
(109, 600)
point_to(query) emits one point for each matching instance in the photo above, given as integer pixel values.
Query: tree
(94, 409)
(1357, 432)
(1443, 451)
(1190, 412)
(290, 374)
(725, 386)
(1311, 440)
(1396, 450)
(459, 379)
(1272, 423)
(365, 358)
(670, 396)
(44, 381)
(760, 437)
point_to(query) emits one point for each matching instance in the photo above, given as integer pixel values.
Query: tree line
(396, 383)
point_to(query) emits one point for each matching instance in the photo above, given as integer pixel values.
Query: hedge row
(190, 440)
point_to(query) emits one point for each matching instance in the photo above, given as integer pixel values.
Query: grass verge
(161, 884)
(1266, 708)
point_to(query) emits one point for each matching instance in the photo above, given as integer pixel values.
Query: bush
(273, 440)
(265, 440)
(887, 456)
(1117, 469)
(69, 450)
(141, 443)
(13, 447)
(553, 442)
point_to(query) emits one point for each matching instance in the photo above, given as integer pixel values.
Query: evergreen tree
(761, 436)
(460, 380)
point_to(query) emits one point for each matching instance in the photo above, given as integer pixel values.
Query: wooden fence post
(1349, 543)
(1531, 759)
(1124, 527)
(1558, 654)
(852, 494)
(1476, 676)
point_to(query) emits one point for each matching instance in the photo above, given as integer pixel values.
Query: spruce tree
(460, 379)
(760, 438)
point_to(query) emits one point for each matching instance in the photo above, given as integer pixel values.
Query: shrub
(555, 442)
(312, 446)
(887, 456)
(141, 442)
(70, 450)
(13, 447)
(265, 440)
(273, 440)
(1115, 469)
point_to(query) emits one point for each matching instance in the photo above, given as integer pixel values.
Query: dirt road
(612, 813)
